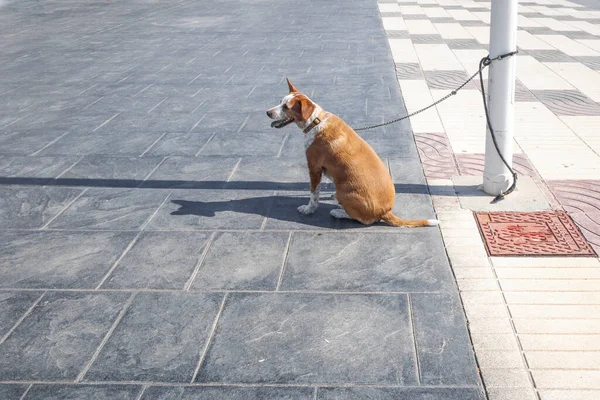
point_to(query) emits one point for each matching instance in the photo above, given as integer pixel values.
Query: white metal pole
(501, 95)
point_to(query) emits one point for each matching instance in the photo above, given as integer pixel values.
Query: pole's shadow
(280, 208)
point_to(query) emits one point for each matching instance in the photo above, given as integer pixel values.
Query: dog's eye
(285, 107)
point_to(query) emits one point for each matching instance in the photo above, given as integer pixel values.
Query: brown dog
(363, 186)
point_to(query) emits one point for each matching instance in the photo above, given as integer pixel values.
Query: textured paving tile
(392, 146)
(270, 173)
(474, 23)
(567, 102)
(406, 172)
(213, 209)
(228, 393)
(58, 259)
(134, 122)
(107, 143)
(27, 140)
(370, 262)
(102, 209)
(243, 260)
(35, 170)
(521, 91)
(581, 199)
(591, 62)
(426, 39)
(442, 340)
(408, 71)
(415, 17)
(472, 164)
(159, 260)
(227, 122)
(436, 155)
(397, 34)
(12, 392)
(97, 170)
(463, 44)
(159, 339)
(32, 207)
(550, 56)
(244, 143)
(13, 306)
(442, 20)
(447, 80)
(178, 144)
(589, 224)
(577, 35)
(399, 394)
(77, 392)
(184, 172)
(260, 337)
(44, 346)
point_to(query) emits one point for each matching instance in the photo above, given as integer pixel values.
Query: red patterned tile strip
(436, 155)
(581, 198)
(472, 164)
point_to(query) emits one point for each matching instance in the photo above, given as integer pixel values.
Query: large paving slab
(150, 242)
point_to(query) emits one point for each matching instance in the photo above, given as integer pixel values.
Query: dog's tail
(393, 220)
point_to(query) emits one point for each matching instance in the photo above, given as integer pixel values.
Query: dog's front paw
(306, 209)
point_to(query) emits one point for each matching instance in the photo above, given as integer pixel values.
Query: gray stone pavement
(150, 243)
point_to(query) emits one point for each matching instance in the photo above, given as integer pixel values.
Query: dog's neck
(313, 121)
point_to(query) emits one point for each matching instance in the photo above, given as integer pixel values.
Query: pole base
(496, 184)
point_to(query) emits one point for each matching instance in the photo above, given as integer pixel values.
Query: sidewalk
(150, 243)
(533, 321)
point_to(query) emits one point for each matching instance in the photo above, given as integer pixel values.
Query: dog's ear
(291, 87)
(303, 107)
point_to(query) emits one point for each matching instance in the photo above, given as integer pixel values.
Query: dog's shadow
(281, 211)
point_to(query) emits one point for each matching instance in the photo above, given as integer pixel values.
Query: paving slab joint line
(146, 290)
(63, 210)
(543, 186)
(209, 339)
(464, 311)
(25, 392)
(205, 144)
(284, 261)
(167, 197)
(516, 336)
(132, 243)
(68, 169)
(266, 219)
(141, 394)
(20, 320)
(521, 351)
(414, 337)
(285, 139)
(153, 144)
(37, 152)
(242, 385)
(153, 170)
(234, 169)
(106, 337)
(192, 278)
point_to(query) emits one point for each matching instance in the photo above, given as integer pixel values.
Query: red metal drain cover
(548, 233)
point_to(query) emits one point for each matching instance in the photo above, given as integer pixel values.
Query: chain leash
(483, 64)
